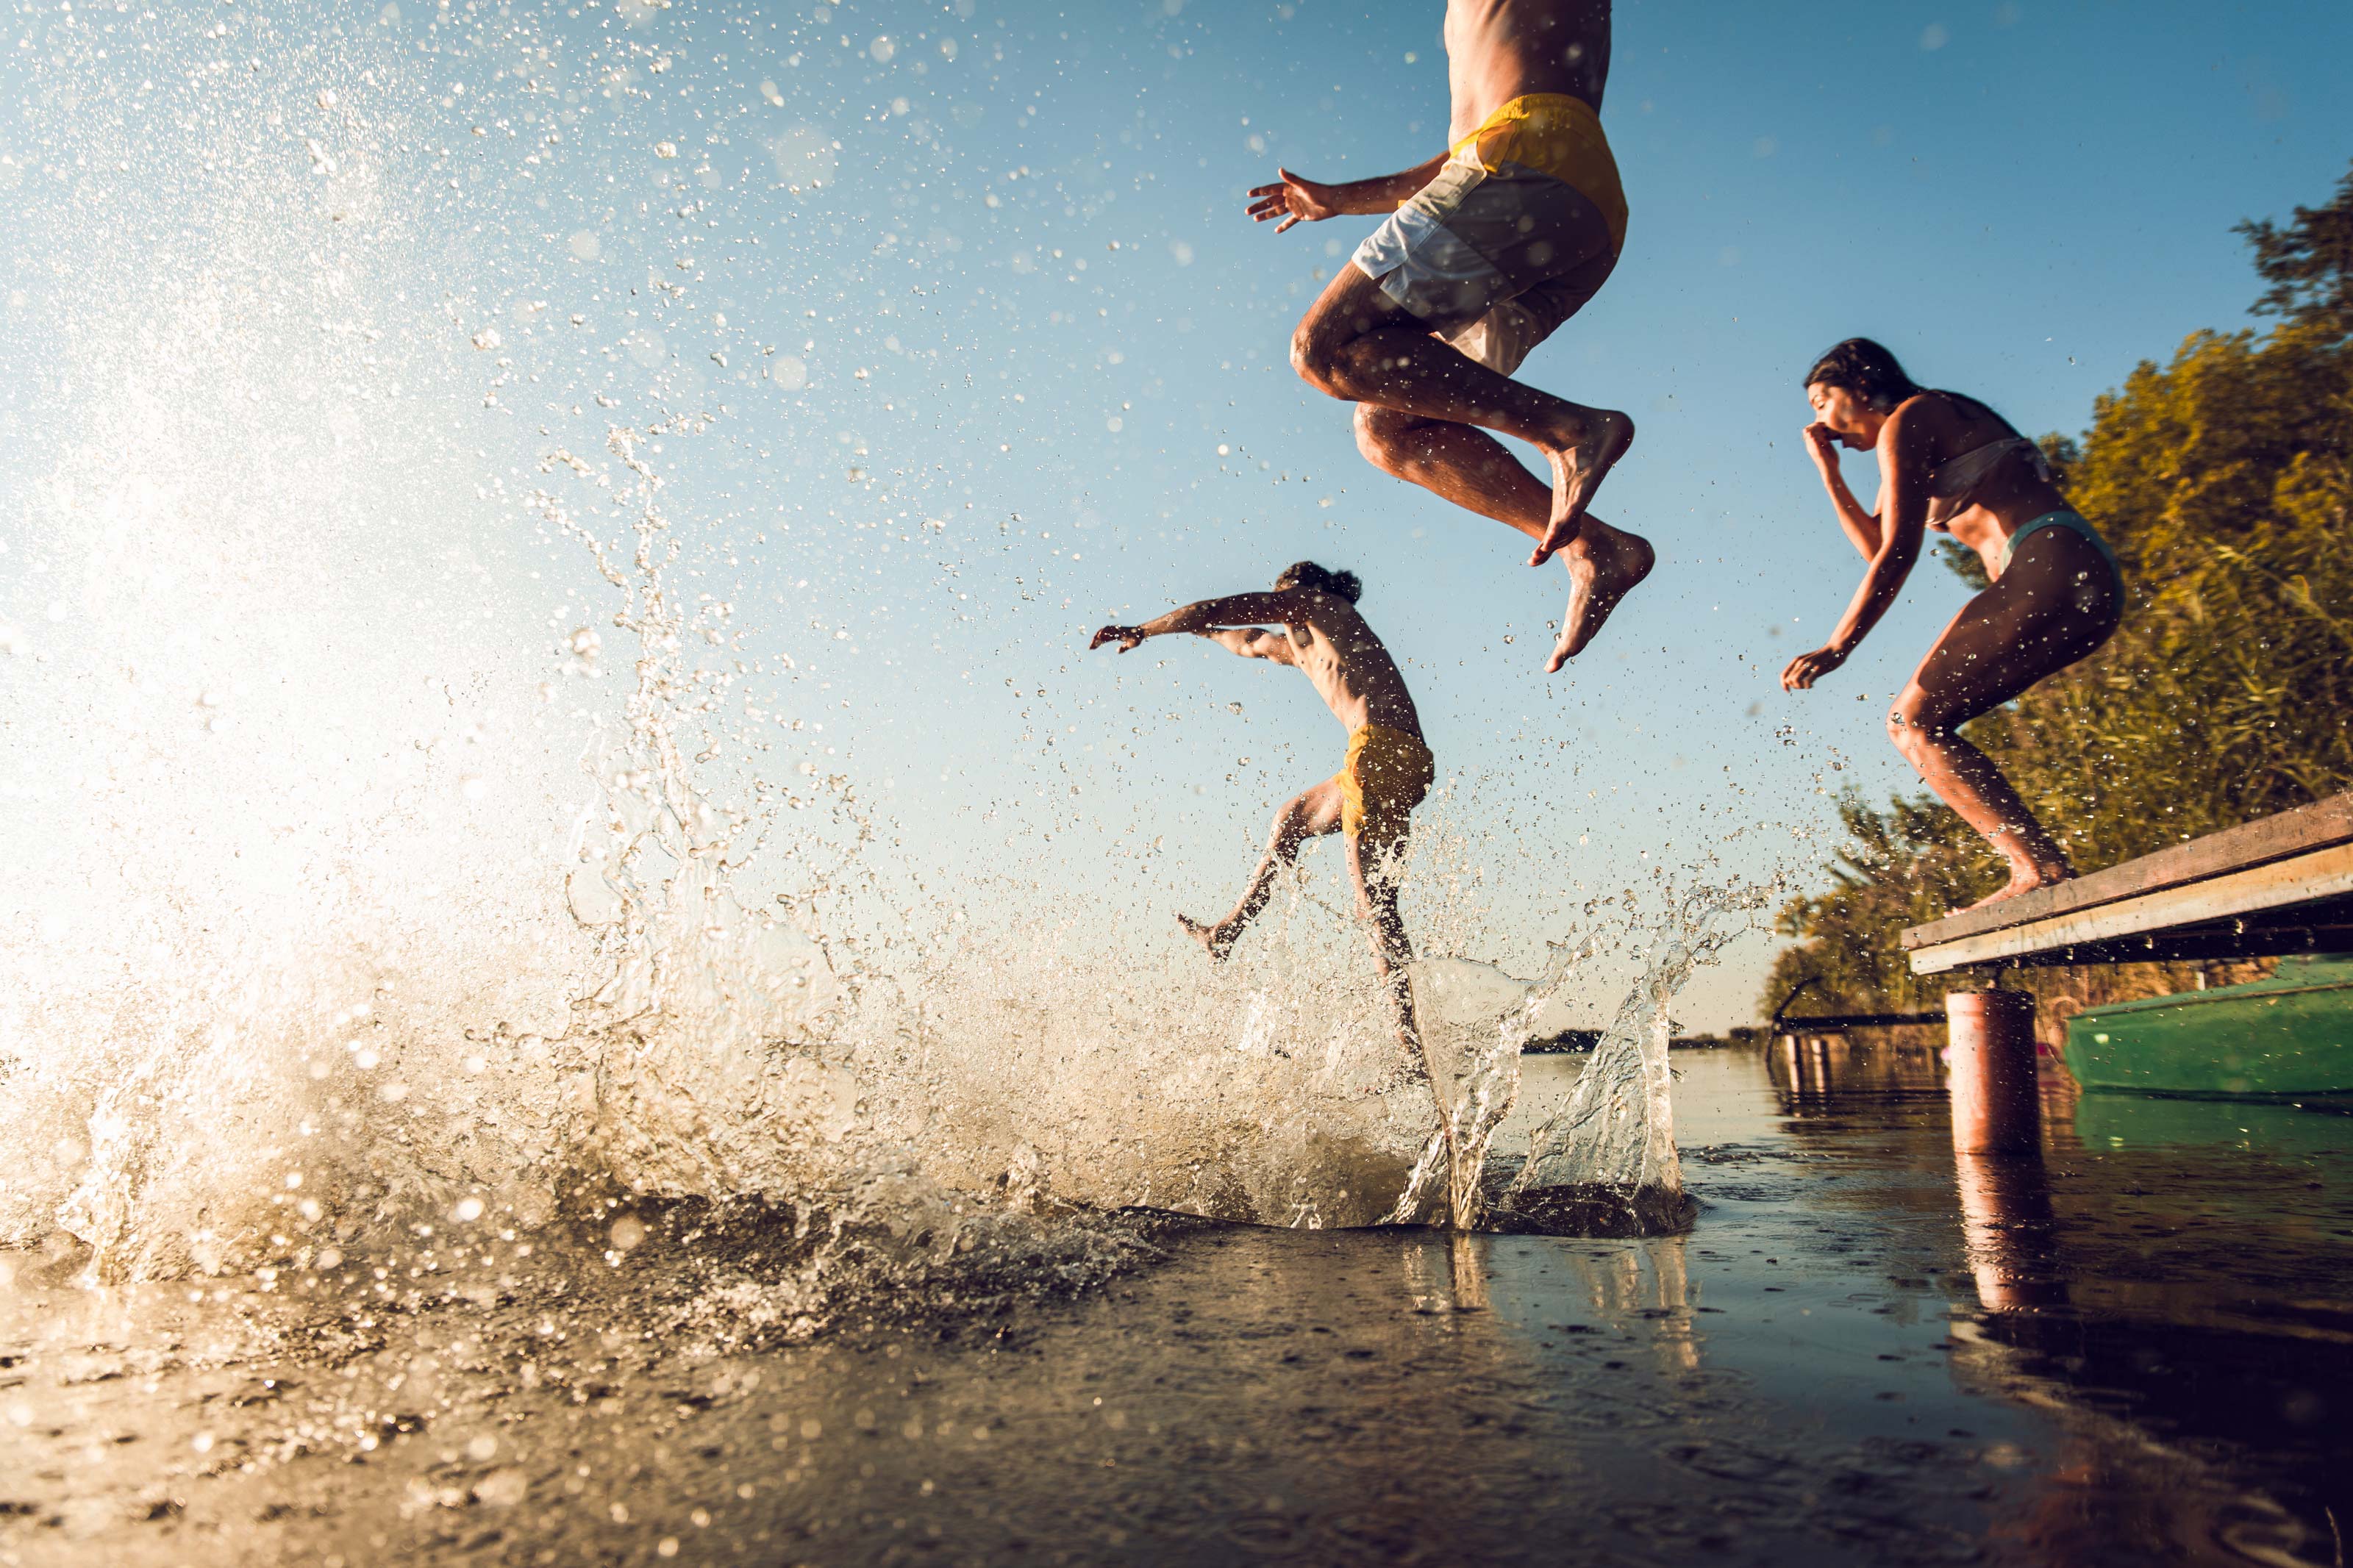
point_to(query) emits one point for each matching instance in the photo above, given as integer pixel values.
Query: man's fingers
(1274, 189)
(1288, 222)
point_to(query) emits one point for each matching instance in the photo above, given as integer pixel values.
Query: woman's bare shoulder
(1926, 428)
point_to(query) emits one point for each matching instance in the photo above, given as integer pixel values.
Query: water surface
(2131, 1351)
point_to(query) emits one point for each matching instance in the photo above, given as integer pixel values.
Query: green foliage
(2224, 480)
(2309, 264)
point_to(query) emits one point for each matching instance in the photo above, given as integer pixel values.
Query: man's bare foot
(1576, 472)
(1599, 575)
(1212, 943)
(2025, 879)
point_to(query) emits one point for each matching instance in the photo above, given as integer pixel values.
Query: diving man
(1387, 772)
(1486, 250)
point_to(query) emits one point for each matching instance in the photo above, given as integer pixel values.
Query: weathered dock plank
(2276, 885)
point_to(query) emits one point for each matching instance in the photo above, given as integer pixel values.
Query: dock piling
(1991, 1073)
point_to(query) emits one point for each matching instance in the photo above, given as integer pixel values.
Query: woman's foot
(1578, 470)
(1213, 939)
(2025, 879)
(1604, 566)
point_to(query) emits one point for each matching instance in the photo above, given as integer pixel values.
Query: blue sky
(1009, 362)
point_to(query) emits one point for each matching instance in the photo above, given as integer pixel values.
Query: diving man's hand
(1294, 200)
(1127, 637)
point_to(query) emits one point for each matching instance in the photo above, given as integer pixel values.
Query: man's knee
(1314, 356)
(1380, 857)
(1293, 826)
(1384, 435)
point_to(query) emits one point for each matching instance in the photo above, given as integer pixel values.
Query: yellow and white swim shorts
(1521, 226)
(1387, 775)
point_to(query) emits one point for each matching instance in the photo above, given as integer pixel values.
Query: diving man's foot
(1603, 571)
(1212, 943)
(2025, 879)
(1576, 472)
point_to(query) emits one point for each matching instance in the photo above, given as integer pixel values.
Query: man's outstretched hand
(1294, 200)
(1127, 637)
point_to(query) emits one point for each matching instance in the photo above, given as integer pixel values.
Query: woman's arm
(1294, 200)
(1904, 460)
(1861, 527)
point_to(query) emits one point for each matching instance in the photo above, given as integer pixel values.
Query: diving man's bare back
(1497, 50)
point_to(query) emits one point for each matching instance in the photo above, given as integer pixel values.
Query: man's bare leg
(1473, 471)
(1359, 344)
(1370, 867)
(1308, 814)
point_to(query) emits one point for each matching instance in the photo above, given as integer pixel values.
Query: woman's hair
(1870, 372)
(1865, 369)
(1323, 579)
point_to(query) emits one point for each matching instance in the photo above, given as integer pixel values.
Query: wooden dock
(2281, 884)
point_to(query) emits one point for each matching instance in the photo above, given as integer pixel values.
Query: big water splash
(415, 833)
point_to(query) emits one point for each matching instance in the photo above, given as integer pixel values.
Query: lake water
(2132, 1350)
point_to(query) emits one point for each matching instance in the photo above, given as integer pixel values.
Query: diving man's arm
(1294, 200)
(1250, 642)
(1235, 610)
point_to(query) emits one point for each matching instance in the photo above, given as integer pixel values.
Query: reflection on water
(2165, 1281)
(2009, 1230)
(1822, 1071)
(1866, 1352)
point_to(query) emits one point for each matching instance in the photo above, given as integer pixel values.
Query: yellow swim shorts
(1387, 775)
(1515, 234)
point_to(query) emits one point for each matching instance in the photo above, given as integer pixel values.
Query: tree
(2309, 264)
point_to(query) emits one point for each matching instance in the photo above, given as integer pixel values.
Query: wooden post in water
(1991, 1073)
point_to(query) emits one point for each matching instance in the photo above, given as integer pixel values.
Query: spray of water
(374, 912)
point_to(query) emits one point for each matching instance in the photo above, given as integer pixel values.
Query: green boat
(2289, 1035)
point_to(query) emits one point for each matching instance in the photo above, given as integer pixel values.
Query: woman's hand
(1809, 667)
(1127, 637)
(1294, 200)
(1822, 442)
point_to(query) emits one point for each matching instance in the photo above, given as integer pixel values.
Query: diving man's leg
(1308, 814)
(1419, 398)
(1377, 866)
(1359, 344)
(1472, 469)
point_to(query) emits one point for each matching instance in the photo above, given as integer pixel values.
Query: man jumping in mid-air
(1486, 250)
(1370, 800)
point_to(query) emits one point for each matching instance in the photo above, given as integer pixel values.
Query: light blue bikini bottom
(2073, 524)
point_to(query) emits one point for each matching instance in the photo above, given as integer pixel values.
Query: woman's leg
(2056, 602)
(1308, 814)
